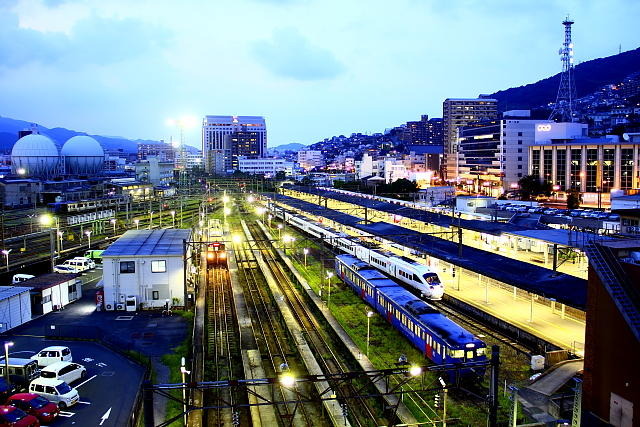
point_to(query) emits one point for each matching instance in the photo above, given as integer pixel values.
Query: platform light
(236, 238)
(414, 371)
(227, 211)
(21, 171)
(287, 380)
(225, 199)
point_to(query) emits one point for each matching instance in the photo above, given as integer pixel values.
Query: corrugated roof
(11, 291)
(48, 280)
(149, 242)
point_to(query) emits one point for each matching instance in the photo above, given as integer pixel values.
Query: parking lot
(109, 391)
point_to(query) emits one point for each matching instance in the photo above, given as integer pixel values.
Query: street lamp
(305, 251)
(88, 233)
(60, 234)
(329, 276)
(150, 219)
(47, 220)
(279, 231)
(269, 217)
(444, 402)
(5, 252)
(113, 222)
(137, 223)
(7, 344)
(184, 372)
(369, 315)
(227, 211)
(173, 219)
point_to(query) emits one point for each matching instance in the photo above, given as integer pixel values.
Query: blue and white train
(414, 274)
(437, 337)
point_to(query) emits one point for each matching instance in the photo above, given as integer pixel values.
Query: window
(561, 167)
(127, 266)
(159, 266)
(519, 133)
(519, 150)
(519, 158)
(155, 295)
(519, 142)
(519, 166)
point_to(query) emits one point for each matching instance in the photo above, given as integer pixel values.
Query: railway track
(271, 336)
(222, 344)
(359, 411)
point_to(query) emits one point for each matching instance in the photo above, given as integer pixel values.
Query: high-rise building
(224, 138)
(424, 132)
(457, 112)
(161, 150)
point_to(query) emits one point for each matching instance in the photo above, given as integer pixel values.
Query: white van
(17, 278)
(53, 354)
(88, 262)
(56, 391)
(65, 371)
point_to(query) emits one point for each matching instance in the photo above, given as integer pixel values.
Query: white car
(64, 269)
(56, 391)
(85, 262)
(53, 354)
(65, 371)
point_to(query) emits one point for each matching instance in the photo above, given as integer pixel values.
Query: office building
(424, 132)
(564, 156)
(155, 171)
(161, 150)
(266, 166)
(457, 112)
(493, 155)
(225, 138)
(310, 159)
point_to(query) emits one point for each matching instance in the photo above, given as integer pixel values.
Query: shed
(15, 308)
(53, 291)
(145, 267)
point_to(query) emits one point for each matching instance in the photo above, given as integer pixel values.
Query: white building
(155, 171)
(266, 166)
(309, 159)
(145, 268)
(15, 307)
(368, 167)
(224, 138)
(52, 291)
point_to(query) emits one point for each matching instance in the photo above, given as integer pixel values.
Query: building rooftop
(11, 291)
(49, 280)
(149, 243)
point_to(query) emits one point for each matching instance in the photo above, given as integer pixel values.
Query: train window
(470, 354)
(458, 354)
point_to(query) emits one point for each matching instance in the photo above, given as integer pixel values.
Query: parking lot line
(66, 414)
(84, 382)
(84, 403)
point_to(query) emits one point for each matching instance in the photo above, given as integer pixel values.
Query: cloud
(289, 54)
(96, 41)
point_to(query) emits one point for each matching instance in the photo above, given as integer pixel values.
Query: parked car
(49, 355)
(64, 269)
(38, 406)
(84, 262)
(21, 371)
(65, 371)
(10, 416)
(17, 278)
(56, 391)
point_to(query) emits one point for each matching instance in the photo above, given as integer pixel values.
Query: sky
(313, 68)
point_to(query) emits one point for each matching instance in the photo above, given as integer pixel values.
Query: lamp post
(47, 221)
(184, 372)
(60, 233)
(444, 402)
(150, 219)
(329, 276)
(137, 223)
(305, 251)
(369, 315)
(173, 219)
(7, 344)
(279, 231)
(113, 223)
(5, 252)
(88, 233)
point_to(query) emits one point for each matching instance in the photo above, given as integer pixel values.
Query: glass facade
(561, 167)
(535, 163)
(479, 152)
(547, 165)
(576, 156)
(626, 168)
(592, 170)
(608, 168)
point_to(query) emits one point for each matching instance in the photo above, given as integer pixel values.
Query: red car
(10, 416)
(38, 406)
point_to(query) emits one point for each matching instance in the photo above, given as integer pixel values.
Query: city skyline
(310, 71)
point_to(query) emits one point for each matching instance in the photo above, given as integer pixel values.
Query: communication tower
(564, 108)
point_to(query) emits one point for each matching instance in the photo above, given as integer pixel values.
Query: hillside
(9, 135)
(589, 77)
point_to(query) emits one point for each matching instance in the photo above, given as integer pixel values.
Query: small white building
(309, 159)
(52, 291)
(265, 166)
(15, 307)
(145, 268)
(155, 171)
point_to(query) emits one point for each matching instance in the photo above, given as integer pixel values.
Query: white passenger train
(412, 273)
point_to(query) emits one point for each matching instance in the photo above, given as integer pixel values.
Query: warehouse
(145, 269)
(15, 308)
(53, 291)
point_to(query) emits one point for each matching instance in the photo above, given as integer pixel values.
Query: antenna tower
(564, 108)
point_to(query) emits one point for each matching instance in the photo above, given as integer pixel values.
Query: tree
(574, 199)
(531, 186)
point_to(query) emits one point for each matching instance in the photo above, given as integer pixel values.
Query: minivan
(56, 391)
(17, 278)
(53, 354)
(65, 371)
(85, 262)
(21, 371)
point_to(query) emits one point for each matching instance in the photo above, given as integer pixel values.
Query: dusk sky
(313, 68)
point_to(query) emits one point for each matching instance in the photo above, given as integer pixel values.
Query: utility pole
(493, 386)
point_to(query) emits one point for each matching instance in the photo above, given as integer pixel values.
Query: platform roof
(165, 242)
(562, 287)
